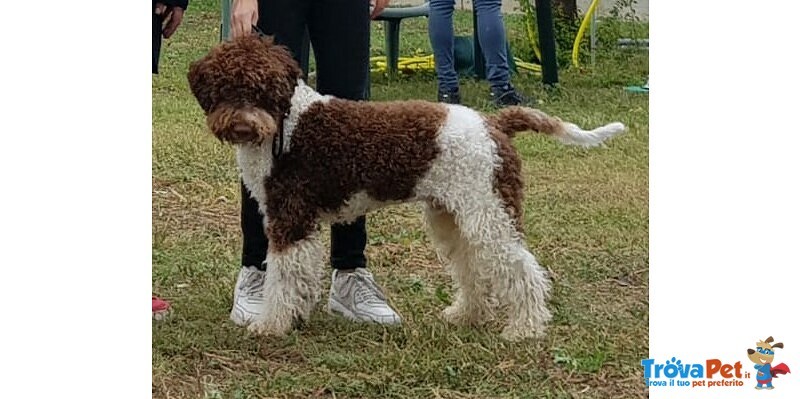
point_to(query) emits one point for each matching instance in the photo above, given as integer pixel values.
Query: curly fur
(234, 75)
(342, 159)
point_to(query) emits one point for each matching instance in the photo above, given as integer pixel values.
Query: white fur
(574, 135)
(304, 96)
(477, 236)
(255, 164)
(358, 205)
(292, 287)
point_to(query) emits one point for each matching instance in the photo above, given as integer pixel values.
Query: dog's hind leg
(293, 280)
(498, 252)
(477, 179)
(471, 306)
(525, 287)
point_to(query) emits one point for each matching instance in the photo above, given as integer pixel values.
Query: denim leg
(492, 36)
(440, 32)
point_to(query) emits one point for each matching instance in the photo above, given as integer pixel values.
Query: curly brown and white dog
(340, 159)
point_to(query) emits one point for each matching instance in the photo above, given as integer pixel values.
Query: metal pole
(593, 32)
(225, 27)
(547, 40)
(479, 63)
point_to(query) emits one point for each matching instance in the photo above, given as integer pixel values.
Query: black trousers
(158, 21)
(339, 33)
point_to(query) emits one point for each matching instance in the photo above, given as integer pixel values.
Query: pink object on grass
(160, 308)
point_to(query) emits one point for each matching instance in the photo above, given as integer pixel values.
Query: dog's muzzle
(242, 124)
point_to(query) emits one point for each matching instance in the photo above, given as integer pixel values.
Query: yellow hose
(582, 30)
(418, 63)
(529, 28)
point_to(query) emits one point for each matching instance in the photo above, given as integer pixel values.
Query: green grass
(586, 220)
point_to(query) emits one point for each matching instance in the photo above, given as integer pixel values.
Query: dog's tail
(519, 119)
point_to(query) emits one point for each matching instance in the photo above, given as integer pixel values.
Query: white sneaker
(356, 296)
(248, 295)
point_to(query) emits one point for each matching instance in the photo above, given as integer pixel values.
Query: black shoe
(449, 97)
(507, 95)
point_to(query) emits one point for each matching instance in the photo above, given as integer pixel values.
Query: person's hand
(379, 5)
(243, 16)
(173, 16)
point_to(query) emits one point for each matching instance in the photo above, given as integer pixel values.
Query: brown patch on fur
(291, 219)
(245, 125)
(512, 120)
(508, 178)
(344, 147)
(337, 149)
(246, 72)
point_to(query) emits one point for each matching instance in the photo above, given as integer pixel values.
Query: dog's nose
(750, 351)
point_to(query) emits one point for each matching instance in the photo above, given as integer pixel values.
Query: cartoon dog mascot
(763, 356)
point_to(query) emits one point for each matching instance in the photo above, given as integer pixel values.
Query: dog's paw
(272, 327)
(453, 314)
(460, 315)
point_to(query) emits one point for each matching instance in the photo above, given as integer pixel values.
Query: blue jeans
(491, 35)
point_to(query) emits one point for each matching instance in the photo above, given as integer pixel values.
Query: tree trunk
(567, 9)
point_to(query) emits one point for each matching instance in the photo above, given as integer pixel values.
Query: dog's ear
(778, 345)
(768, 340)
(201, 83)
(239, 125)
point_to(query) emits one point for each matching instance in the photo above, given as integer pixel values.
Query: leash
(277, 140)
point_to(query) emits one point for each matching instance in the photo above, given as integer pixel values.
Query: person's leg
(348, 242)
(442, 37)
(254, 239)
(286, 20)
(492, 36)
(341, 51)
(158, 22)
(339, 32)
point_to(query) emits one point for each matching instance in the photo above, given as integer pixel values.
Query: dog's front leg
(293, 281)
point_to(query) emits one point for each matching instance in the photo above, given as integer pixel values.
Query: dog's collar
(277, 140)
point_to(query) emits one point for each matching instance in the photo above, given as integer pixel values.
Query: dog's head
(764, 352)
(245, 87)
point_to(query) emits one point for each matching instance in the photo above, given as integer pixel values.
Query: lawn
(586, 220)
